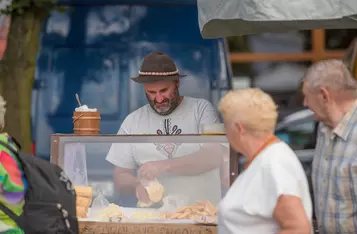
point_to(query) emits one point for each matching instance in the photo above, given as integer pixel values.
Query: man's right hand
(141, 194)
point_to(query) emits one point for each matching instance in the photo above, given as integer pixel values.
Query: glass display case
(187, 170)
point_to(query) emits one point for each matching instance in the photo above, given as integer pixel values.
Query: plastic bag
(173, 202)
(99, 204)
(75, 164)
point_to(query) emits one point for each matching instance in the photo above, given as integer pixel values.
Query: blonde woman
(272, 194)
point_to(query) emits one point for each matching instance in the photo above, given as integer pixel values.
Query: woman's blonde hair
(254, 108)
(2, 112)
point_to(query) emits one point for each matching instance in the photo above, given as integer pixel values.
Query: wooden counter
(144, 228)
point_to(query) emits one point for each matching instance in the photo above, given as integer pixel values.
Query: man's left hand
(152, 170)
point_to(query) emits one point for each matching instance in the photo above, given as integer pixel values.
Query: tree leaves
(18, 7)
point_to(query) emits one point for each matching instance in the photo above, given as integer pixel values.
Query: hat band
(158, 73)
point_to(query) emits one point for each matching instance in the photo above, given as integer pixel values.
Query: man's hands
(141, 194)
(154, 169)
(128, 184)
(149, 171)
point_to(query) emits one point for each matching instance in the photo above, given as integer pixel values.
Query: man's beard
(172, 104)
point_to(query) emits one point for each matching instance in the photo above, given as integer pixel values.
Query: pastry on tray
(155, 192)
(84, 196)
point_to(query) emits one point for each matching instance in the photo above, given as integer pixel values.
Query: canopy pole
(318, 44)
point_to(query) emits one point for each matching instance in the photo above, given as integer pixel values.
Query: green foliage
(18, 7)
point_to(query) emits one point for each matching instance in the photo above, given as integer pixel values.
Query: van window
(299, 136)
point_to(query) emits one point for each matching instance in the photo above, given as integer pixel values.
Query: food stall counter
(182, 178)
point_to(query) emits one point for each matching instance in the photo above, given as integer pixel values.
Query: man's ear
(178, 83)
(325, 94)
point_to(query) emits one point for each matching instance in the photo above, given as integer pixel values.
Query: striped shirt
(334, 176)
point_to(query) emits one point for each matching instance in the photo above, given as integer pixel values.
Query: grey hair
(331, 73)
(2, 112)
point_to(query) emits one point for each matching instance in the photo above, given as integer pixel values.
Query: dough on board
(143, 204)
(112, 211)
(155, 191)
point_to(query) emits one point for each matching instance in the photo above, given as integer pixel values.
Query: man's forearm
(125, 182)
(207, 159)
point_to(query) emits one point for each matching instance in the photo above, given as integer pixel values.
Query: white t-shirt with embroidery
(249, 203)
(187, 118)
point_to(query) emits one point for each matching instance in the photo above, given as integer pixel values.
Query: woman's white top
(249, 204)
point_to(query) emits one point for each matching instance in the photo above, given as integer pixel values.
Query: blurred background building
(277, 62)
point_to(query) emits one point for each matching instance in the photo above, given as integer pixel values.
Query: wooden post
(317, 53)
(318, 44)
(233, 165)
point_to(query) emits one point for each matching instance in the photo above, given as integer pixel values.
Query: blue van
(94, 48)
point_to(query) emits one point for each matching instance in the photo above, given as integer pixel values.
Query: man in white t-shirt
(183, 169)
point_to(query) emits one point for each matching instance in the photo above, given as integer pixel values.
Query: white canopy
(223, 18)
